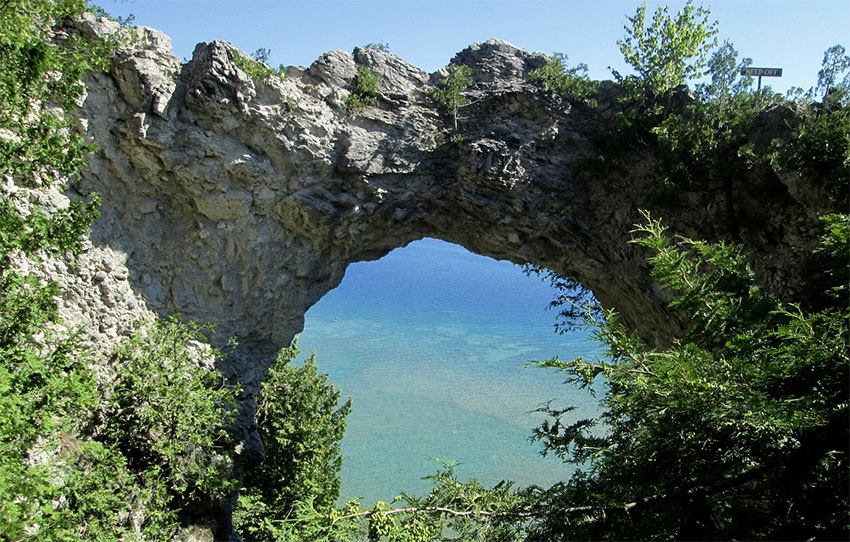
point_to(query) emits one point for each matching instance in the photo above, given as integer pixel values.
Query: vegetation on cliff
(365, 89)
(738, 430)
(82, 457)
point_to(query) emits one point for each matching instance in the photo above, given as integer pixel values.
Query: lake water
(430, 342)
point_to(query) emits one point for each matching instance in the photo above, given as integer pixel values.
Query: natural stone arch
(241, 202)
(244, 213)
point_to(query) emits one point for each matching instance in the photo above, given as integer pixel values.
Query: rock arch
(233, 209)
(241, 202)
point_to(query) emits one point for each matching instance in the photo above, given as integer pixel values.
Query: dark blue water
(430, 342)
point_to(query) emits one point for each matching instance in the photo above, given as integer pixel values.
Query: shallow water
(430, 342)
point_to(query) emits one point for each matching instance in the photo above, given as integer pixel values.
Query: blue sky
(775, 33)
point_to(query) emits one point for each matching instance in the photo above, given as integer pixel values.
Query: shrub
(571, 82)
(365, 89)
(450, 92)
(256, 68)
(168, 410)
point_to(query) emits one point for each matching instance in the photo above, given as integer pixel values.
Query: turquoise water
(430, 343)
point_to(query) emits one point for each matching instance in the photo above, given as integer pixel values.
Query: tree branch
(441, 510)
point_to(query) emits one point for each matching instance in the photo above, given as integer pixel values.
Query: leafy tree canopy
(450, 93)
(669, 51)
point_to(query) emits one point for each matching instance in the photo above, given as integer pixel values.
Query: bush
(365, 89)
(572, 82)
(256, 67)
(168, 410)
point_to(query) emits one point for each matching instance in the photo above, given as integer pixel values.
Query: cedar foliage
(64, 473)
(301, 424)
(738, 431)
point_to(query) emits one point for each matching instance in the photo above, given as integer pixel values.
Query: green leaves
(44, 141)
(450, 92)
(256, 67)
(571, 82)
(301, 424)
(669, 51)
(365, 89)
(168, 410)
(834, 75)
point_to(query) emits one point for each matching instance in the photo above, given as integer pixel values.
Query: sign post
(762, 72)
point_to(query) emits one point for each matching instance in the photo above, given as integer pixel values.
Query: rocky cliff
(240, 201)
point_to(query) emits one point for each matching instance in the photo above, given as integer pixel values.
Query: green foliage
(44, 145)
(452, 510)
(377, 46)
(739, 430)
(708, 147)
(365, 89)
(573, 301)
(168, 410)
(834, 75)
(671, 50)
(128, 468)
(301, 425)
(468, 510)
(724, 70)
(572, 82)
(65, 473)
(291, 496)
(255, 66)
(43, 386)
(819, 145)
(665, 55)
(47, 391)
(450, 92)
(705, 142)
(707, 150)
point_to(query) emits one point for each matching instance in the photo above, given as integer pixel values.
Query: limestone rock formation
(241, 201)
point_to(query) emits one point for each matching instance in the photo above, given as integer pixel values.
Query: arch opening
(430, 342)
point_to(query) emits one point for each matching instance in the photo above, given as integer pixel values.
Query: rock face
(241, 201)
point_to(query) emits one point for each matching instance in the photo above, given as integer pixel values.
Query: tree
(167, 413)
(739, 430)
(665, 55)
(301, 424)
(819, 146)
(835, 71)
(671, 50)
(450, 92)
(262, 55)
(724, 70)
